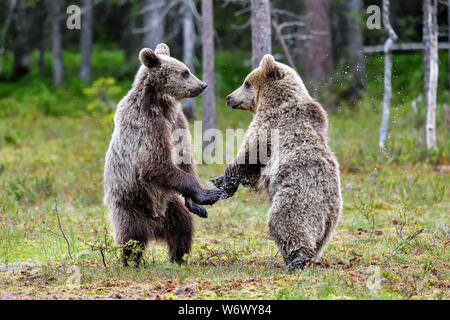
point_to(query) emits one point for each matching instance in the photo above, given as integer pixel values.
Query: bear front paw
(207, 197)
(226, 186)
(195, 208)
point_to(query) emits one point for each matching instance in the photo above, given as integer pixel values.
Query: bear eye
(185, 74)
(247, 85)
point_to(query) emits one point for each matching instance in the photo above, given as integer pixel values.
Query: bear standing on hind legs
(301, 174)
(146, 167)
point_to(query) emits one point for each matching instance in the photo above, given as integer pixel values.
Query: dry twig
(62, 231)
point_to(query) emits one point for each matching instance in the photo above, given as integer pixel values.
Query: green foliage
(231, 69)
(101, 92)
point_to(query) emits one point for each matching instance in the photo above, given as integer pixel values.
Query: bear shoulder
(315, 114)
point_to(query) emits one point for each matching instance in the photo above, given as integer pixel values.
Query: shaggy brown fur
(301, 175)
(144, 176)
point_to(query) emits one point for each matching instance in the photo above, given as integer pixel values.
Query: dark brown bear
(145, 178)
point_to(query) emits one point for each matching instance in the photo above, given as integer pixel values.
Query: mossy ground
(45, 157)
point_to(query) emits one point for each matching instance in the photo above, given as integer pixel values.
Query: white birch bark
(208, 98)
(392, 36)
(188, 53)
(430, 39)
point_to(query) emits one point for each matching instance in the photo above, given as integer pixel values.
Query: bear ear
(162, 48)
(149, 58)
(270, 67)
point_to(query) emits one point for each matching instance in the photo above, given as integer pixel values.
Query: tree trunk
(318, 64)
(42, 40)
(261, 30)
(354, 37)
(126, 36)
(54, 7)
(387, 77)
(208, 98)
(188, 55)
(153, 23)
(86, 41)
(430, 39)
(283, 45)
(22, 62)
(12, 5)
(448, 26)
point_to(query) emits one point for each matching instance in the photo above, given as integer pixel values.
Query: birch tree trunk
(54, 7)
(392, 36)
(188, 54)
(318, 63)
(430, 39)
(208, 99)
(86, 41)
(22, 62)
(153, 23)
(261, 30)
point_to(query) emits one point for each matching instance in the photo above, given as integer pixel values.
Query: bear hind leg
(295, 244)
(132, 232)
(178, 230)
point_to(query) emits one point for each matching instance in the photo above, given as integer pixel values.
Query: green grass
(47, 155)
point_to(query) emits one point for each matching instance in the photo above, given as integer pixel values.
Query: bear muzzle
(232, 103)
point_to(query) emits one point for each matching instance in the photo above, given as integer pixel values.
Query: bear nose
(204, 85)
(228, 97)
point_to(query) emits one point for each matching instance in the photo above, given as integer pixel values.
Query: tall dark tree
(55, 13)
(188, 52)
(126, 23)
(153, 23)
(208, 98)
(355, 46)
(318, 62)
(261, 30)
(4, 32)
(41, 35)
(448, 35)
(86, 41)
(22, 62)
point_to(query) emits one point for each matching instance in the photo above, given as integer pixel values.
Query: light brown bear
(300, 174)
(147, 168)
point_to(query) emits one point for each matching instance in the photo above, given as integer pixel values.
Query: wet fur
(146, 192)
(304, 187)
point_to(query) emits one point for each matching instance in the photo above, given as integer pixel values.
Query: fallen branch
(411, 46)
(280, 39)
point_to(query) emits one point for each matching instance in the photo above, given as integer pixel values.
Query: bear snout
(232, 103)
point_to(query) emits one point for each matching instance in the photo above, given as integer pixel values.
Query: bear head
(268, 86)
(168, 76)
